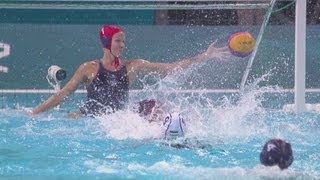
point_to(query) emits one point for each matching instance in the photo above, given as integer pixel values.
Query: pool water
(221, 141)
(225, 131)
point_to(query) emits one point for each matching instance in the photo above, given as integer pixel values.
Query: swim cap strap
(116, 62)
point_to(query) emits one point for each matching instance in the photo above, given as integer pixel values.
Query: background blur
(40, 38)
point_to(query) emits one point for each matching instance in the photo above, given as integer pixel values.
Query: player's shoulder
(136, 62)
(89, 64)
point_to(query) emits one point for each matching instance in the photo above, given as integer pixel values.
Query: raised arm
(211, 53)
(55, 99)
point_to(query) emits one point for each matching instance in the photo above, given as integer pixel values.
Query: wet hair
(276, 152)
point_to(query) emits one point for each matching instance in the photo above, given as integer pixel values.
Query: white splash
(203, 118)
(127, 124)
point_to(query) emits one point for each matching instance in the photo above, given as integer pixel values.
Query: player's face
(118, 44)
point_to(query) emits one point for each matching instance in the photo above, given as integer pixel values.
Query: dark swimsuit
(107, 93)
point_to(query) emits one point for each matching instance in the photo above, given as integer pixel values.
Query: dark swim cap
(276, 152)
(106, 34)
(146, 106)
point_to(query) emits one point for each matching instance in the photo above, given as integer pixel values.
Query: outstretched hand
(215, 52)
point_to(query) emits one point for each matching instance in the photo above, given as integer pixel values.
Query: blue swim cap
(276, 152)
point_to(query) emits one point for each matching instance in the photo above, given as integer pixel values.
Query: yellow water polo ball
(241, 44)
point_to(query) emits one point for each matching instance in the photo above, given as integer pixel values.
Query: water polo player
(108, 79)
(276, 152)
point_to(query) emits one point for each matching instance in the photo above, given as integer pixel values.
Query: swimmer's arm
(56, 98)
(211, 53)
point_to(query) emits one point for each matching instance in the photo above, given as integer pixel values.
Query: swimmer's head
(174, 126)
(146, 106)
(276, 152)
(106, 34)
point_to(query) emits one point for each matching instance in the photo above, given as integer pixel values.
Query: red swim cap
(106, 34)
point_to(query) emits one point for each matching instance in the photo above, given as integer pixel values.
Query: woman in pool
(108, 79)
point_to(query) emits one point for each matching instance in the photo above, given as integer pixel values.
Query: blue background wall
(41, 38)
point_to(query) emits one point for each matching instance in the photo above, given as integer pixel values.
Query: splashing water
(127, 124)
(204, 118)
(223, 138)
